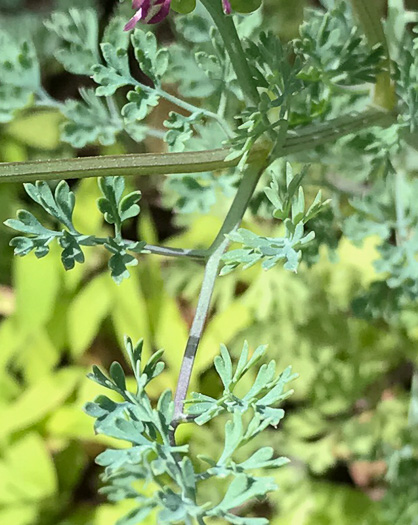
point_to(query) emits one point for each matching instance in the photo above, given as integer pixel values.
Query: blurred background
(346, 426)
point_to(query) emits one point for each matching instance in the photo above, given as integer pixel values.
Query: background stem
(370, 17)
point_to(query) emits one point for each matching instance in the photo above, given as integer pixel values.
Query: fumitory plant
(251, 117)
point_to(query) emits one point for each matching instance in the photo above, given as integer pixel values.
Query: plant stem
(370, 20)
(297, 140)
(190, 108)
(165, 251)
(228, 32)
(231, 223)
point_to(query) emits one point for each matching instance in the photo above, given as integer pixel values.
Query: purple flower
(148, 12)
(153, 11)
(227, 7)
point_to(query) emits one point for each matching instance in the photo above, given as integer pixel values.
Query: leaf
(114, 207)
(78, 31)
(38, 401)
(263, 458)
(244, 365)
(332, 45)
(116, 73)
(37, 285)
(136, 516)
(120, 261)
(184, 70)
(118, 375)
(189, 477)
(89, 121)
(223, 365)
(19, 75)
(112, 189)
(152, 61)
(27, 472)
(154, 366)
(141, 102)
(180, 129)
(241, 490)
(233, 437)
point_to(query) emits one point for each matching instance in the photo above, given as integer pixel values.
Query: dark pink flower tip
(148, 12)
(227, 7)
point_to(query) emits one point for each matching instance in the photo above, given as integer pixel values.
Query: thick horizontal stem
(112, 165)
(297, 140)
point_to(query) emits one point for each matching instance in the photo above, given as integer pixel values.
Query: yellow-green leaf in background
(87, 311)
(27, 472)
(86, 216)
(38, 400)
(37, 130)
(328, 504)
(171, 334)
(221, 328)
(129, 311)
(19, 515)
(37, 356)
(37, 283)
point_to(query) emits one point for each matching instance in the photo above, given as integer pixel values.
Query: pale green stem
(231, 223)
(164, 251)
(190, 107)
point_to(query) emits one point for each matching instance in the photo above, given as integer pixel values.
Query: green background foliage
(346, 427)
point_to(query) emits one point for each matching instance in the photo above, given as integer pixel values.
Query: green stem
(226, 27)
(165, 251)
(190, 107)
(231, 223)
(370, 19)
(296, 141)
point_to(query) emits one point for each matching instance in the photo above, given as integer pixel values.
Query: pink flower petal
(227, 7)
(133, 21)
(162, 8)
(137, 4)
(149, 12)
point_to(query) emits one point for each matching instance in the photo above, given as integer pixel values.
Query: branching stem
(231, 223)
(297, 140)
(190, 108)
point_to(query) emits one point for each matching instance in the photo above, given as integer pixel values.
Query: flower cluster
(153, 11)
